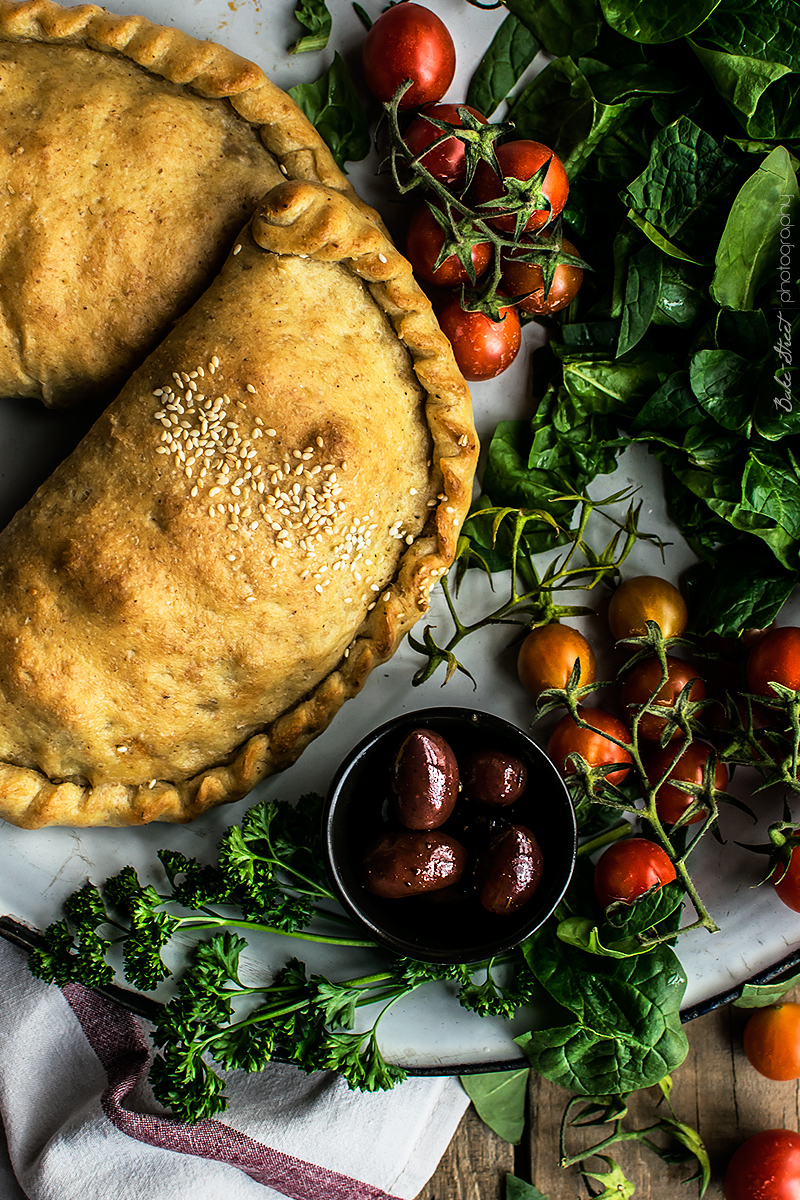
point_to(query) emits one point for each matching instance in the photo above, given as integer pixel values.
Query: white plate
(429, 1031)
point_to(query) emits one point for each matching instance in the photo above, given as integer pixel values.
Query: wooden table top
(715, 1090)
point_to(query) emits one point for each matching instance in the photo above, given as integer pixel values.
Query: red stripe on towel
(117, 1039)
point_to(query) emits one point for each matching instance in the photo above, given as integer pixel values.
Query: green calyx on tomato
(528, 189)
(697, 769)
(665, 698)
(445, 253)
(448, 141)
(540, 281)
(595, 740)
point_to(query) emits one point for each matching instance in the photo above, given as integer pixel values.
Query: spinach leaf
(705, 532)
(314, 16)
(770, 503)
(511, 50)
(750, 27)
(641, 297)
(654, 20)
(750, 241)
(332, 104)
(626, 1033)
(742, 82)
(561, 98)
(724, 384)
(685, 185)
(744, 588)
(658, 239)
(683, 295)
(760, 995)
(519, 1189)
(561, 26)
(499, 1099)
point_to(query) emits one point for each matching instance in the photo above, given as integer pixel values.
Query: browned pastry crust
(131, 155)
(246, 532)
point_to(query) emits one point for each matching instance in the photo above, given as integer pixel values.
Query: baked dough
(251, 526)
(131, 155)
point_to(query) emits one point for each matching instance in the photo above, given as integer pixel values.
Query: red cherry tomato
(447, 162)
(548, 654)
(525, 281)
(644, 679)
(598, 750)
(775, 658)
(409, 42)
(424, 241)
(521, 160)
(671, 802)
(772, 1040)
(630, 868)
(765, 1167)
(483, 348)
(646, 598)
(787, 885)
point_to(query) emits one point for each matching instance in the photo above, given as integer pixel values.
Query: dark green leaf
(511, 50)
(332, 104)
(641, 297)
(560, 98)
(561, 26)
(748, 250)
(687, 186)
(751, 27)
(518, 1189)
(655, 21)
(626, 1033)
(499, 1098)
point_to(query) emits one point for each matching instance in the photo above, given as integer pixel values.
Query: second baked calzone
(252, 525)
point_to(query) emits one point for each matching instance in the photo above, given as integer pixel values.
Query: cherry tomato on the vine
(643, 680)
(525, 281)
(646, 598)
(775, 658)
(409, 42)
(671, 802)
(629, 868)
(787, 883)
(424, 241)
(598, 750)
(765, 1167)
(483, 348)
(447, 162)
(548, 654)
(521, 160)
(772, 1040)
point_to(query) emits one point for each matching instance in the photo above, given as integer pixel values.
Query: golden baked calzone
(130, 156)
(250, 527)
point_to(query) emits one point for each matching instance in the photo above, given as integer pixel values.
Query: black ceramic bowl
(451, 925)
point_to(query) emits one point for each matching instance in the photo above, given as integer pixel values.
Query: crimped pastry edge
(207, 68)
(307, 220)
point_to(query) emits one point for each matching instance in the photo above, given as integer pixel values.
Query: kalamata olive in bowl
(509, 871)
(424, 780)
(493, 777)
(409, 862)
(503, 890)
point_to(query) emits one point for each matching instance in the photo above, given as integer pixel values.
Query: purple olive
(493, 777)
(509, 872)
(424, 781)
(411, 861)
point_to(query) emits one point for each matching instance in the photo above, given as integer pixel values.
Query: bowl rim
(417, 718)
